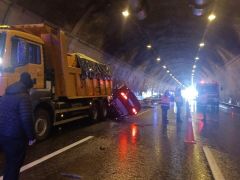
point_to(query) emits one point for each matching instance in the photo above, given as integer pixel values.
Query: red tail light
(134, 111)
(124, 95)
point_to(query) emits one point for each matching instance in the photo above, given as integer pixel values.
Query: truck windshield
(2, 44)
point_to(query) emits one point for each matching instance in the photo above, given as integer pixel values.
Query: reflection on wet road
(138, 148)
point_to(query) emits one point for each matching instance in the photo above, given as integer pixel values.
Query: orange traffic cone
(189, 136)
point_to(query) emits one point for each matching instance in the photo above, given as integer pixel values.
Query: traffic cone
(189, 136)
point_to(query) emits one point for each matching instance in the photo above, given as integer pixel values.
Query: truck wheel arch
(43, 120)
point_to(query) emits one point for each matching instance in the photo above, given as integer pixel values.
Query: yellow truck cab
(69, 86)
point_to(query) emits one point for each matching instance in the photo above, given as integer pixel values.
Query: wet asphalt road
(140, 148)
(221, 134)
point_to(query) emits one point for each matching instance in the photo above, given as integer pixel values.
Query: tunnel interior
(173, 28)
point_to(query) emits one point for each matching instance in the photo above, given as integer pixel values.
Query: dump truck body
(69, 86)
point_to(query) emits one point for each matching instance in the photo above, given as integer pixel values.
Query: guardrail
(228, 104)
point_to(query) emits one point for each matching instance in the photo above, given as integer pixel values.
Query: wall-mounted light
(197, 58)
(164, 67)
(158, 59)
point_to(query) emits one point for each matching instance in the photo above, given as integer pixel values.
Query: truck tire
(103, 110)
(42, 124)
(94, 112)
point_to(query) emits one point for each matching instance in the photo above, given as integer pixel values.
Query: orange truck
(68, 86)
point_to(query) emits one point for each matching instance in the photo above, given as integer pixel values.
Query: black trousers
(14, 151)
(204, 111)
(164, 114)
(178, 112)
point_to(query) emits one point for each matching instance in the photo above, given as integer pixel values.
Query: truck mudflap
(124, 102)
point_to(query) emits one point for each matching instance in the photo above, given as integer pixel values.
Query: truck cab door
(27, 56)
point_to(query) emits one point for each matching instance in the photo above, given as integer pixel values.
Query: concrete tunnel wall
(226, 75)
(123, 73)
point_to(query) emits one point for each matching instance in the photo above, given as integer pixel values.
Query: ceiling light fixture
(149, 46)
(211, 17)
(202, 44)
(125, 13)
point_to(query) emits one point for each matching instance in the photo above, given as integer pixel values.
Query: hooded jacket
(16, 118)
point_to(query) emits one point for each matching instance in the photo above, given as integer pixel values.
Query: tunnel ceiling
(174, 28)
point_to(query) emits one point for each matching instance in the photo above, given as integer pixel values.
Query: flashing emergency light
(125, 13)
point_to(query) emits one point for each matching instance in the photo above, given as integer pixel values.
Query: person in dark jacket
(179, 103)
(16, 125)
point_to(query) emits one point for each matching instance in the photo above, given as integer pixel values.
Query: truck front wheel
(42, 124)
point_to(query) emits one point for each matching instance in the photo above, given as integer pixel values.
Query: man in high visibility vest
(165, 104)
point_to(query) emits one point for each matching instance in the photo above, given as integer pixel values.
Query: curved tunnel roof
(174, 28)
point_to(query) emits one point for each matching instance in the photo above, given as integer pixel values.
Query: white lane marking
(44, 158)
(143, 112)
(217, 174)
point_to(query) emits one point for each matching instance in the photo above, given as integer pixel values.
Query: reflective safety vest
(165, 101)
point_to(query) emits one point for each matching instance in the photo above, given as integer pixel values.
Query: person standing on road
(16, 125)
(165, 105)
(179, 103)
